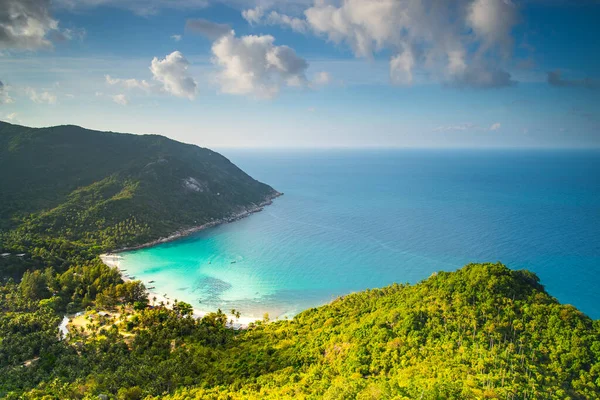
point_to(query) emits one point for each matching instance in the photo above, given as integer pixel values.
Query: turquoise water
(351, 220)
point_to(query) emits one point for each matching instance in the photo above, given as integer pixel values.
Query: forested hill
(482, 332)
(101, 189)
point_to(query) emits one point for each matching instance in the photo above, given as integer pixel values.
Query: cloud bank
(462, 43)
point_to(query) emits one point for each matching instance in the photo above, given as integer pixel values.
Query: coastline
(155, 298)
(112, 259)
(188, 231)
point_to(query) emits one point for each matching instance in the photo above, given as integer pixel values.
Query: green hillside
(482, 332)
(69, 188)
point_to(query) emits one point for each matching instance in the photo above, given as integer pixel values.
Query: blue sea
(352, 220)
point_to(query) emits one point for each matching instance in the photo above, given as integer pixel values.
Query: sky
(308, 74)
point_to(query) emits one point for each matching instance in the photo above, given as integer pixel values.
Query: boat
(150, 281)
(233, 262)
(151, 287)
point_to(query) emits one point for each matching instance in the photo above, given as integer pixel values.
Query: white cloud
(492, 21)
(209, 29)
(253, 65)
(296, 24)
(120, 99)
(458, 42)
(176, 38)
(170, 75)
(43, 97)
(11, 117)
(129, 83)
(401, 67)
(495, 126)
(253, 15)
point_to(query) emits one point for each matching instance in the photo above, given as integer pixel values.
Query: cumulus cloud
(257, 15)
(120, 99)
(170, 75)
(211, 30)
(24, 24)
(555, 79)
(176, 38)
(253, 15)
(401, 67)
(492, 21)
(459, 42)
(44, 97)
(254, 65)
(296, 24)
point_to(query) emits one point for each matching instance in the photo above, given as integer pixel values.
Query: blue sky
(349, 73)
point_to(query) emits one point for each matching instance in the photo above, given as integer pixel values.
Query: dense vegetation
(481, 332)
(484, 331)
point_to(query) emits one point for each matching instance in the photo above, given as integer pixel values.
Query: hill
(482, 332)
(88, 191)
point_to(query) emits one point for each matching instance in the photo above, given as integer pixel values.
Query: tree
(34, 285)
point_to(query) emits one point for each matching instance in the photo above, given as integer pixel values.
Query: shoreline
(112, 259)
(189, 231)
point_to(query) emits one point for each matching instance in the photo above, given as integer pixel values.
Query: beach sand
(154, 298)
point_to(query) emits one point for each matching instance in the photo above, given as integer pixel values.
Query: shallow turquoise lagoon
(351, 220)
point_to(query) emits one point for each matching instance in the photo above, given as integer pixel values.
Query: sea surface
(352, 220)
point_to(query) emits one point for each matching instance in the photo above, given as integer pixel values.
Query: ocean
(357, 219)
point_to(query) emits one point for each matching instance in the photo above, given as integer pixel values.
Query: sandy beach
(155, 298)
